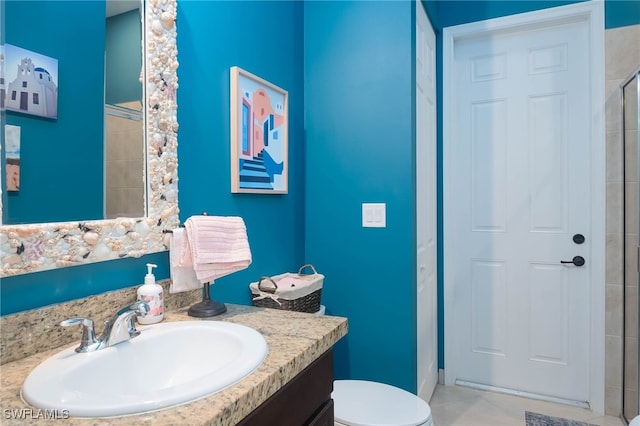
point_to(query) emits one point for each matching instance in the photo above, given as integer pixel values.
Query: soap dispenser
(151, 294)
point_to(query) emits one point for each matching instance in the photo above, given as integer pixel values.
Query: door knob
(577, 260)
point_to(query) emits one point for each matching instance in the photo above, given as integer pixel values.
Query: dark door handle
(577, 260)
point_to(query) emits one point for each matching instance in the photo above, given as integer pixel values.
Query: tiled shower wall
(124, 171)
(622, 53)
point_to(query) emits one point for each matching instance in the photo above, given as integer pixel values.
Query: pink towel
(183, 277)
(219, 246)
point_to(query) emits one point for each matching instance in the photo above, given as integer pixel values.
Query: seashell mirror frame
(44, 246)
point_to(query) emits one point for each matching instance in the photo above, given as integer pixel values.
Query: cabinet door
(301, 401)
(324, 417)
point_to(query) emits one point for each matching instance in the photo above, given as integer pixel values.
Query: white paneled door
(519, 223)
(426, 286)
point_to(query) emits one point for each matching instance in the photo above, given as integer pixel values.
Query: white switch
(374, 215)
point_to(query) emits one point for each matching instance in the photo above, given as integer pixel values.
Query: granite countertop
(295, 340)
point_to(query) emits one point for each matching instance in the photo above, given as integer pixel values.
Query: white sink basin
(168, 364)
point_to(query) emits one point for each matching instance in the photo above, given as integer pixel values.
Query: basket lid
(289, 285)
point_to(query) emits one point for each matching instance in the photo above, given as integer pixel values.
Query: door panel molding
(593, 13)
(426, 207)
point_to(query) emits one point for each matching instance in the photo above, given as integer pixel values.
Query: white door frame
(593, 13)
(426, 206)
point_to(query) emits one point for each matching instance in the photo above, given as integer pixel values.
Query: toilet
(364, 403)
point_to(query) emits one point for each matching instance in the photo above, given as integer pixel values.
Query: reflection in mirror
(54, 244)
(124, 132)
(97, 155)
(124, 158)
(60, 154)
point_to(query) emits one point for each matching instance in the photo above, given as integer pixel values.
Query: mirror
(43, 246)
(106, 151)
(123, 120)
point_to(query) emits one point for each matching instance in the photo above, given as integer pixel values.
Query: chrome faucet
(120, 328)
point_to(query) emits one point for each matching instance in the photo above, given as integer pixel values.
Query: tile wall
(622, 53)
(124, 160)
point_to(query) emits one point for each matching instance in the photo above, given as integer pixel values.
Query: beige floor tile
(460, 406)
(606, 421)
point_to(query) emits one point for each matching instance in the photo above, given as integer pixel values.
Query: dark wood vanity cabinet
(324, 417)
(304, 401)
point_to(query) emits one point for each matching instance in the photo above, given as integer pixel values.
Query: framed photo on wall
(259, 135)
(12, 157)
(30, 82)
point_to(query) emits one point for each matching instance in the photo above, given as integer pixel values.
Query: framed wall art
(30, 82)
(12, 157)
(259, 135)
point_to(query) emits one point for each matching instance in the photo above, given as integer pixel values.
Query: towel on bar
(183, 276)
(219, 246)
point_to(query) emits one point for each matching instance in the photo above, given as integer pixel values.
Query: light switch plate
(374, 215)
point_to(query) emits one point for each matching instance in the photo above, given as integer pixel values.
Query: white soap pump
(151, 294)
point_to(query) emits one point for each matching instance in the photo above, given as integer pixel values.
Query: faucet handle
(140, 307)
(88, 332)
(76, 320)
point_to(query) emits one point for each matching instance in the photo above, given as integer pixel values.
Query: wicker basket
(292, 292)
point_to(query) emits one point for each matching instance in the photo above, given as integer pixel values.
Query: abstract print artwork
(259, 135)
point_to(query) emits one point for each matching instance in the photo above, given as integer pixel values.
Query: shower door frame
(635, 75)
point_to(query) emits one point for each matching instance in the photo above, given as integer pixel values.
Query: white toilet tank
(363, 403)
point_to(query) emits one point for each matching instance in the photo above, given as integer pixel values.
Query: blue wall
(49, 189)
(618, 13)
(621, 13)
(359, 148)
(263, 38)
(29, 291)
(123, 58)
(464, 11)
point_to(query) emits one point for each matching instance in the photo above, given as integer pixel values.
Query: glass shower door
(631, 223)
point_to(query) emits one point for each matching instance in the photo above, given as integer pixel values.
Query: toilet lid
(362, 403)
